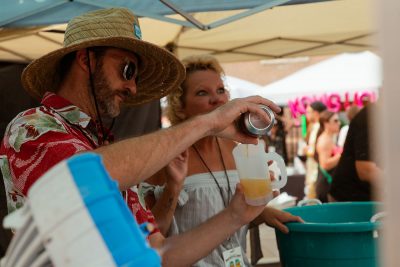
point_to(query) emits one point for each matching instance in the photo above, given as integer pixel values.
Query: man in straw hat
(103, 64)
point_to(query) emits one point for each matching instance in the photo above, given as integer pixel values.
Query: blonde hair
(192, 64)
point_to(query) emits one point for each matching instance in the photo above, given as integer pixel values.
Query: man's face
(114, 80)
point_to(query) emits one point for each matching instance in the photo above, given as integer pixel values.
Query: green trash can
(334, 235)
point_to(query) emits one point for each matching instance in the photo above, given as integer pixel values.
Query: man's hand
(223, 118)
(276, 218)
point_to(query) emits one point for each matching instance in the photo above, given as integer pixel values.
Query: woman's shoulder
(325, 141)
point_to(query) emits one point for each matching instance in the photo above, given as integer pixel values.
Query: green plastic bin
(333, 235)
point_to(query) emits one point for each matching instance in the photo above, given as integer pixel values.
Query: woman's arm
(324, 149)
(173, 176)
(187, 248)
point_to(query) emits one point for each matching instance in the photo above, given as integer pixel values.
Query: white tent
(343, 74)
(292, 30)
(240, 88)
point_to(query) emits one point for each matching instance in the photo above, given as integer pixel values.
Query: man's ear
(82, 60)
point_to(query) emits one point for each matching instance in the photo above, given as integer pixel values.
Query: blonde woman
(211, 176)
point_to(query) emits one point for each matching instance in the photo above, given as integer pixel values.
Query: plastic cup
(252, 166)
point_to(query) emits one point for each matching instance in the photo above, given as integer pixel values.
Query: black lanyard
(212, 174)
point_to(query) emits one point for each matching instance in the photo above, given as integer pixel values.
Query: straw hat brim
(159, 72)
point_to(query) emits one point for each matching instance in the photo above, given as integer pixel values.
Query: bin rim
(334, 227)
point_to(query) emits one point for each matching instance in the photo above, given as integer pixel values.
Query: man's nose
(131, 86)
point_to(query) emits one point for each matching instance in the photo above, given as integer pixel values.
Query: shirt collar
(66, 109)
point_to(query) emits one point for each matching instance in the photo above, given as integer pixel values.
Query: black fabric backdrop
(13, 99)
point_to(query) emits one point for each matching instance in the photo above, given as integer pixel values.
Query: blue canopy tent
(44, 12)
(232, 30)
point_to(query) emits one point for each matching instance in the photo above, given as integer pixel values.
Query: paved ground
(269, 248)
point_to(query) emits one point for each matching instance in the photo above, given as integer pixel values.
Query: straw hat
(159, 71)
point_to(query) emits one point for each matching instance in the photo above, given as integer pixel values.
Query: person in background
(275, 140)
(327, 153)
(350, 113)
(357, 172)
(103, 64)
(312, 113)
(211, 176)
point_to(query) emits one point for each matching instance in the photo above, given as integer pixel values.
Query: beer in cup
(252, 166)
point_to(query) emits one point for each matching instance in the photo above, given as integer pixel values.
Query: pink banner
(333, 101)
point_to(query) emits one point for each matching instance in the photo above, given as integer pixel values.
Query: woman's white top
(342, 135)
(199, 200)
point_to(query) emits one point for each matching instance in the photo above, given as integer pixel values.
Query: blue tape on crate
(115, 223)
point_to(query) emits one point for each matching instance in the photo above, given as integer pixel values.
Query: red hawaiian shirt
(38, 138)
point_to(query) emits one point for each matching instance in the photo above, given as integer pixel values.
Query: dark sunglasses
(129, 71)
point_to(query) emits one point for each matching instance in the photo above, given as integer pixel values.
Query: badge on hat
(138, 32)
(136, 28)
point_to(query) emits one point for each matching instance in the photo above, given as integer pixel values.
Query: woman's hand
(337, 150)
(276, 218)
(241, 212)
(176, 171)
(275, 192)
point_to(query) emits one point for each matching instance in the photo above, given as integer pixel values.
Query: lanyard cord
(103, 132)
(84, 134)
(212, 174)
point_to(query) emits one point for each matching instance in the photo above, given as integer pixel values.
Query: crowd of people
(340, 165)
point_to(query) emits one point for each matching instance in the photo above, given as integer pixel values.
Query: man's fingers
(263, 115)
(255, 109)
(262, 101)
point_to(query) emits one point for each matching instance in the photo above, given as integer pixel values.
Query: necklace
(212, 174)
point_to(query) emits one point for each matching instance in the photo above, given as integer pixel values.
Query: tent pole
(187, 16)
(247, 13)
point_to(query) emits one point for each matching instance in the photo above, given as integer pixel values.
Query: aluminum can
(251, 124)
